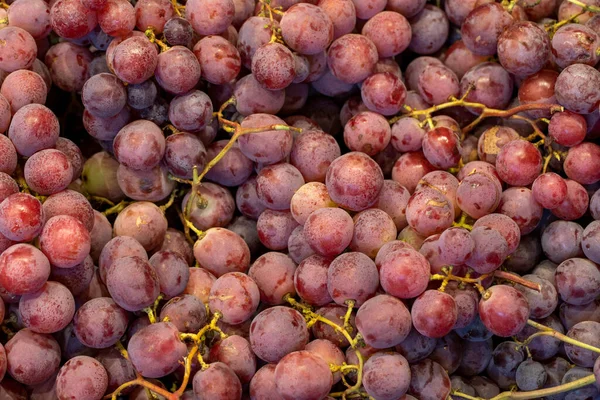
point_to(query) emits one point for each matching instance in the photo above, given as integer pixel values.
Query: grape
(21, 217)
(577, 373)
(8, 186)
(218, 381)
(71, 19)
(262, 385)
(116, 248)
(221, 251)
(329, 352)
(566, 11)
(429, 381)
(404, 273)
(456, 245)
(492, 85)
(48, 310)
(575, 204)
(504, 310)
(434, 313)
(103, 95)
(32, 357)
(383, 321)
(142, 95)
(586, 332)
(236, 296)
(210, 17)
(429, 30)
(100, 323)
(354, 181)
(520, 205)
(475, 357)
(531, 375)
(389, 31)
(448, 352)
(154, 13)
(246, 198)
(65, 241)
(343, 56)
(276, 184)
(77, 279)
(429, 212)
(273, 273)
(69, 202)
(134, 59)
(156, 350)
(575, 43)
(342, 14)
(118, 369)
(441, 147)
(177, 70)
(352, 276)
(459, 58)
(562, 240)
(235, 352)
(48, 171)
(483, 26)
(117, 18)
(273, 66)
(74, 155)
(549, 189)
(292, 381)
(187, 313)
(478, 194)
(68, 65)
(490, 250)
(576, 281)
(298, 247)
(383, 93)
(310, 280)
(127, 145)
(143, 221)
(132, 282)
(172, 270)
(543, 303)
(34, 127)
(145, 185)
(254, 32)
(543, 347)
(519, 59)
(23, 87)
(219, 59)
(18, 50)
(306, 29)
(585, 172)
(276, 332)
(576, 88)
(182, 152)
(312, 153)
(105, 128)
(200, 283)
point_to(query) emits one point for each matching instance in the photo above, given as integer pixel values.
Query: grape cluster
(275, 199)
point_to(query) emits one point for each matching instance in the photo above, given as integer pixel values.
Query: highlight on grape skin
(299, 200)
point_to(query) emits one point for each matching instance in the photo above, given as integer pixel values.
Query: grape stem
(547, 331)
(152, 37)
(448, 276)
(117, 208)
(586, 7)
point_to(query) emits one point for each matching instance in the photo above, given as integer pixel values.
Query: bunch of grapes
(275, 199)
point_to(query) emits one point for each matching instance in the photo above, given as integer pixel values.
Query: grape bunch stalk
(287, 200)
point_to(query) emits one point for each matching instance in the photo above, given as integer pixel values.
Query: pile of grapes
(275, 199)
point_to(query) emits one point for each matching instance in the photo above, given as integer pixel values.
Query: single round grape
(456, 245)
(306, 29)
(352, 276)
(154, 13)
(74, 155)
(218, 381)
(273, 66)
(117, 18)
(70, 202)
(575, 43)
(567, 128)
(373, 228)
(100, 323)
(429, 381)
(172, 270)
(276, 332)
(490, 250)
(492, 85)
(34, 127)
(542, 303)
(276, 184)
(386, 376)
(434, 313)
(183, 152)
(310, 280)
(77, 279)
(483, 26)
(177, 70)
(48, 310)
(298, 247)
(219, 59)
(407, 135)
(354, 181)
(404, 273)
(210, 17)
(21, 217)
(132, 282)
(71, 19)
(576, 280)
(118, 369)
(390, 32)
(273, 274)
(329, 352)
(65, 241)
(69, 65)
(580, 164)
(577, 88)
(562, 240)
(523, 60)
(312, 153)
(246, 199)
(441, 147)
(143, 221)
(23, 269)
(383, 93)
(586, 332)
(134, 59)
(48, 171)
(235, 352)
(156, 350)
(575, 204)
(105, 128)
(8, 186)
(32, 357)
(504, 310)
(131, 154)
(459, 58)
(430, 29)
(383, 321)
(186, 312)
(221, 251)
(236, 296)
(519, 204)
(291, 378)
(478, 194)
(429, 212)
(19, 49)
(343, 56)
(549, 189)
(23, 87)
(103, 95)
(145, 185)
